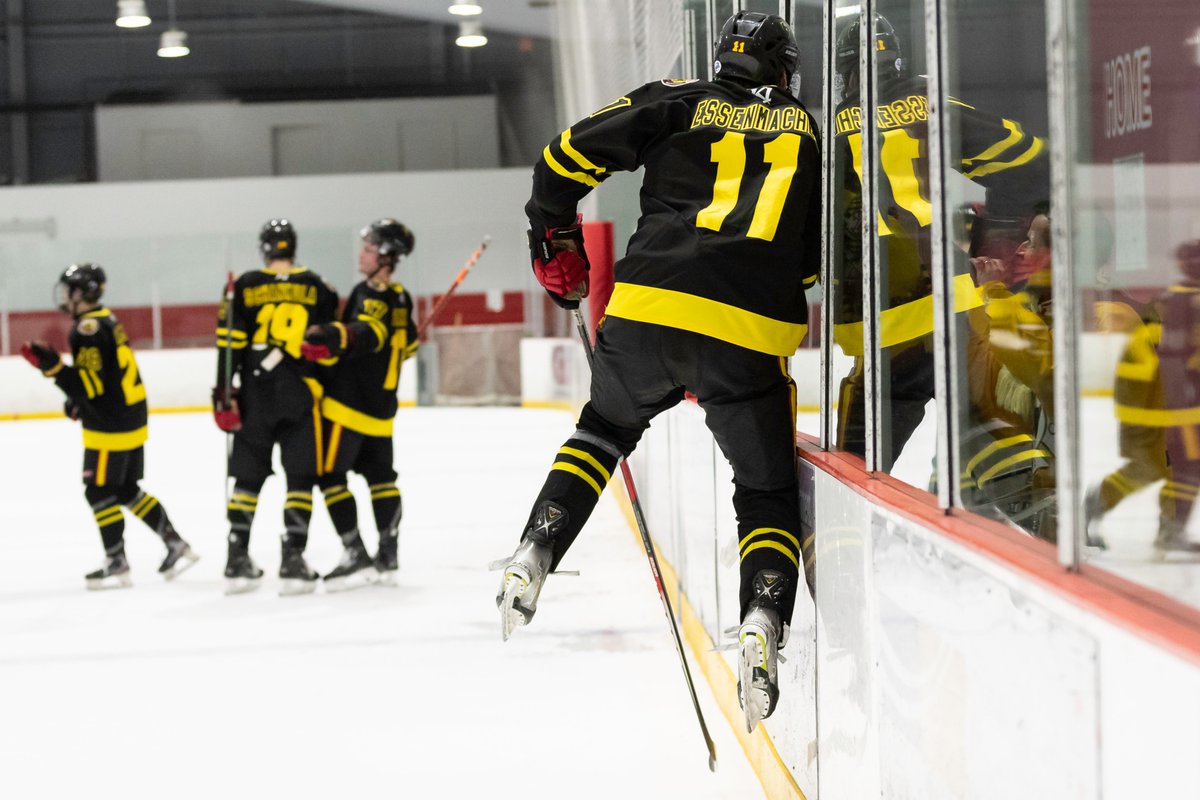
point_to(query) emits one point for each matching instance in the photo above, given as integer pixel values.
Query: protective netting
(607, 47)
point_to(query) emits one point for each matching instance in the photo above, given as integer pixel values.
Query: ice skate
(1172, 543)
(1093, 512)
(759, 639)
(524, 575)
(386, 561)
(355, 570)
(295, 573)
(241, 574)
(113, 574)
(180, 558)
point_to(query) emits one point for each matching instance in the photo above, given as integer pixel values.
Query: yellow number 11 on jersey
(729, 154)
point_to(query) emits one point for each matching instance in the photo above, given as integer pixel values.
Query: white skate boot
(759, 639)
(526, 571)
(112, 574)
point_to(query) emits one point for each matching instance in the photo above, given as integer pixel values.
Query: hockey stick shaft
(228, 369)
(462, 273)
(648, 544)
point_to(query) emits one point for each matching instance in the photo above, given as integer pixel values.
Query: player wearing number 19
(709, 299)
(266, 394)
(105, 393)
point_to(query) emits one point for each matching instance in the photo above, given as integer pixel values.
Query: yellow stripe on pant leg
(335, 439)
(102, 468)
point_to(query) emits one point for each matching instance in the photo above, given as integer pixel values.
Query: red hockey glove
(326, 341)
(71, 409)
(225, 409)
(560, 263)
(41, 355)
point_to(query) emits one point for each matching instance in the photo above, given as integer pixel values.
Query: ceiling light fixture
(173, 43)
(465, 9)
(470, 34)
(132, 14)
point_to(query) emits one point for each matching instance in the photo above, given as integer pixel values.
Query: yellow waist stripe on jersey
(908, 321)
(357, 421)
(101, 440)
(709, 317)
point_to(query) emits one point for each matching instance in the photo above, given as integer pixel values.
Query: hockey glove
(71, 409)
(42, 356)
(560, 263)
(225, 409)
(326, 341)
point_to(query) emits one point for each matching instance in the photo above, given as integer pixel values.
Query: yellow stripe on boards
(708, 317)
(584, 456)
(578, 472)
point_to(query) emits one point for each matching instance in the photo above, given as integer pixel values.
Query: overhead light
(132, 14)
(465, 9)
(173, 44)
(470, 34)
(847, 11)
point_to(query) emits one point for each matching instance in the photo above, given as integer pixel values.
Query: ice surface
(176, 690)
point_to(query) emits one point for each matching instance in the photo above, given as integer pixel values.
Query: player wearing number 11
(709, 299)
(267, 393)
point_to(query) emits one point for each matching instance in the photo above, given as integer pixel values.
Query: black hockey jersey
(360, 387)
(996, 153)
(729, 236)
(104, 382)
(263, 328)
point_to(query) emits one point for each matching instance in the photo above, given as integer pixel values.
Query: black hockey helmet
(756, 47)
(79, 282)
(391, 237)
(887, 47)
(277, 239)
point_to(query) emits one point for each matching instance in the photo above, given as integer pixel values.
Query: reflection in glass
(1136, 249)
(997, 187)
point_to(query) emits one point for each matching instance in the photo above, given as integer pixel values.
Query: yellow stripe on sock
(583, 456)
(773, 546)
(579, 472)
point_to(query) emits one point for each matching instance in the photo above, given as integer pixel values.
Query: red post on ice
(598, 239)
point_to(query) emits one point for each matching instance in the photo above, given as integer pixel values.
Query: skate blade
(348, 583)
(241, 585)
(111, 582)
(386, 578)
(295, 586)
(185, 562)
(511, 616)
(755, 701)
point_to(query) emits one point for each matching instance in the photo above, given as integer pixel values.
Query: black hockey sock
(769, 539)
(297, 512)
(343, 511)
(581, 470)
(387, 506)
(147, 508)
(240, 510)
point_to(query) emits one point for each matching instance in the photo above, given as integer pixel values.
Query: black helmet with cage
(756, 48)
(277, 240)
(887, 49)
(83, 282)
(391, 237)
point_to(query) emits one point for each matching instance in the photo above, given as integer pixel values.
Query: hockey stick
(462, 273)
(228, 375)
(658, 581)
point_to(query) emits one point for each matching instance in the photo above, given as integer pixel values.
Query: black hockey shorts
(748, 398)
(369, 456)
(113, 467)
(300, 441)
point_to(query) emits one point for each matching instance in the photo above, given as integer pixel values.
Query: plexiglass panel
(1136, 253)
(996, 172)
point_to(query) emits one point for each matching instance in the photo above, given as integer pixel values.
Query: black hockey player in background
(105, 393)
(365, 350)
(266, 393)
(709, 299)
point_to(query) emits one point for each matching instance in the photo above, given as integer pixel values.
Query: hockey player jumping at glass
(997, 154)
(365, 351)
(267, 394)
(709, 299)
(105, 393)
